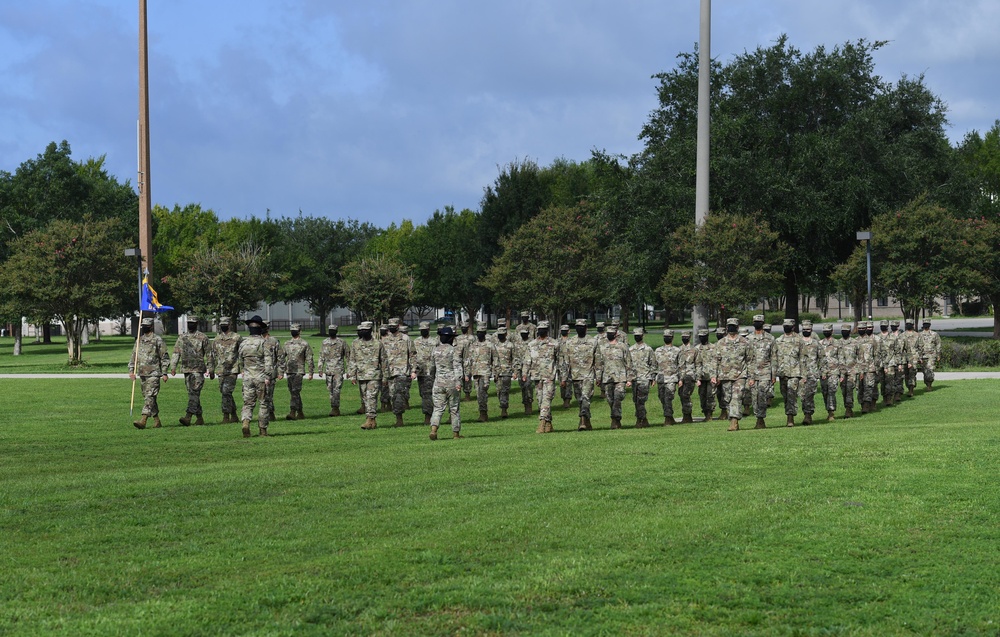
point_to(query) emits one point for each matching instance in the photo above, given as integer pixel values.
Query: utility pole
(699, 315)
(145, 200)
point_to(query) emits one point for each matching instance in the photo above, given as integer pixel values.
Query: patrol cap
(807, 324)
(788, 322)
(147, 321)
(446, 330)
(465, 324)
(616, 321)
(758, 318)
(744, 331)
(686, 333)
(501, 321)
(253, 320)
(394, 321)
(613, 329)
(767, 327)
(600, 325)
(383, 329)
(424, 325)
(702, 332)
(366, 325)
(192, 318)
(894, 323)
(732, 321)
(501, 330)
(721, 330)
(883, 322)
(564, 328)
(295, 327)
(909, 321)
(828, 327)
(523, 329)
(927, 321)
(667, 332)
(481, 328)
(638, 331)
(846, 327)
(581, 322)
(525, 314)
(404, 328)
(543, 325)
(224, 320)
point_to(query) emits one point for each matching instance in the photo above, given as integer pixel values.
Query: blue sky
(388, 110)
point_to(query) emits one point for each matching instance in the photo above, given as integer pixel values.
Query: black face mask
(224, 328)
(192, 327)
(332, 333)
(564, 332)
(255, 330)
(757, 325)
(524, 320)
(146, 329)
(638, 339)
(393, 328)
(581, 332)
(732, 329)
(885, 330)
(480, 336)
(807, 333)
(668, 340)
(827, 334)
(788, 329)
(366, 335)
(294, 334)
(425, 333)
(611, 336)
(895, 328)
(870, 331)
(542, 333)
(686, 340)
(600, 330)
(703, 339)
(447, 338)
(845, 334)
(502, 338)
(524, 336)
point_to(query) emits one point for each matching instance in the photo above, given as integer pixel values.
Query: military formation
(737, 374)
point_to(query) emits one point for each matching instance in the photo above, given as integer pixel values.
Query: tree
(552, 263)
(226, 281)
(312, 252)
(376, 287)
(69, 271)
(730, 262)
(816, 142)
(177, 235)
(851, 278)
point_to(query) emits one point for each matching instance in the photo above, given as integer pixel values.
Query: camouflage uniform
(299, 361)
(532, 328)
(848, 353)
(769, 335)
(482, 358)
(911, 346)
(507, 365)
(763, 370)
(191, 352)
(149, 362)
(565, 387)
(582, 363)
(644, 362)
(810, 372)
(689, 374)
(521, 352)
(541, 366)
(720, 333)
(332, 359)
(732, 356)
(788, 365)
(668, 365)
(225, 348)
(706, 391)
(257, 360)
(384, 400)
(930, 351)
(400, 355)
(618, 374)
(882, 347)
(278, 371)
(868, 367)
(367, 367)
(831, 370)
(462, 342)
(446, 368)
(894, 362)
(600, 340)
(424, 346)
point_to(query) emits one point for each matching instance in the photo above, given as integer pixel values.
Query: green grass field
(882, 525)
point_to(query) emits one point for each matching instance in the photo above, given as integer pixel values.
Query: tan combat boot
(200, 421)
(722, 415)
(708, 416)
(290, 415)
(246, 428)
(548, 426)
(790, 421)
(849, 413)
(669, 420)
(760, 424)
(399, 420)
(483, 416)
(335, 411)
(586, 422)
(734, 424)
(456, 435)
(687, 419)
(503, 414)
(807, 419)
(910, 392)
(361, 410)
(427, 419)
(541, 427)
(156, 422)
(830, 417)
(225, 417)
(185, 420)
(434, 432)
(527, 410)
(566, 403)
(141, 423)
(581, 426)
(262, 431)
(299, 415)
(616, 423)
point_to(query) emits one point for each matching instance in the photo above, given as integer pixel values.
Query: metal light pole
(867, 238)
(699, 315)
(145, 200)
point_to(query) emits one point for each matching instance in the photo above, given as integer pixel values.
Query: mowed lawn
(887, 524)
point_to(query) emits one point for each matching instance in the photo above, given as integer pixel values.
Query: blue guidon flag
(149, 302)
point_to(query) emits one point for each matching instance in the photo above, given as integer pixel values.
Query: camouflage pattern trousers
(666, 389)
(847, 389)
(584, 391)
(333, 384)
(566, 390)
(868, 388)
(893, 383)
(760, 395)
(828, 386)
(255, 395)
(446, 398)
(482, 384)
(706, 394)
(546, 390)
(503, 391)
(732, 397)
(808, 390)
(686, 391)
(227, 385)
(269, 397)
(425, 385)
(790, 394)
(194, 382)
(615, 394)
(150, 390)
(369, 396)
(294, 391)
(399, 393)
(928, 368)
(910, 376)
(467, 387)
(527, 392)
(640, 394)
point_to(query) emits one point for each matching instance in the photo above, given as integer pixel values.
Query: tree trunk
(18, 338)
(47, 333)
(324, 309)
(792, 297)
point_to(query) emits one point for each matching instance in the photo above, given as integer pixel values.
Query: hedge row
(983, 353)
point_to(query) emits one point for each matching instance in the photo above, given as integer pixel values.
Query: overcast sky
(388, 110)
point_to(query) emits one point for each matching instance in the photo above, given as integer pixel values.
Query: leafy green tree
(226, 281)
(69, 271)
(815, 142)
(178, 234)
(851, 278)
(310, 257)
(552, 263)
(376, 287)
(728, 263)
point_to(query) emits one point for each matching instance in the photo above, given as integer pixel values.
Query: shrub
(982, 353)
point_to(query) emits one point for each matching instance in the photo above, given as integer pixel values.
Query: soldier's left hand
(413, 376)
(310, 376)
(628, 383)
(562, 384)
(164, 378)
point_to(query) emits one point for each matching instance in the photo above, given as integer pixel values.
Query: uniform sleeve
(270, 362)
(176, 359)
(210, 355)
(164, 358)
(629, 366)
(458, 366)
(133, 358)
(383, 361)
(352, 371)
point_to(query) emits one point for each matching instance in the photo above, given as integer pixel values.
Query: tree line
(807, 149)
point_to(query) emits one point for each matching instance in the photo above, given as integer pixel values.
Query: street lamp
(867, 238)
(137, 253)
